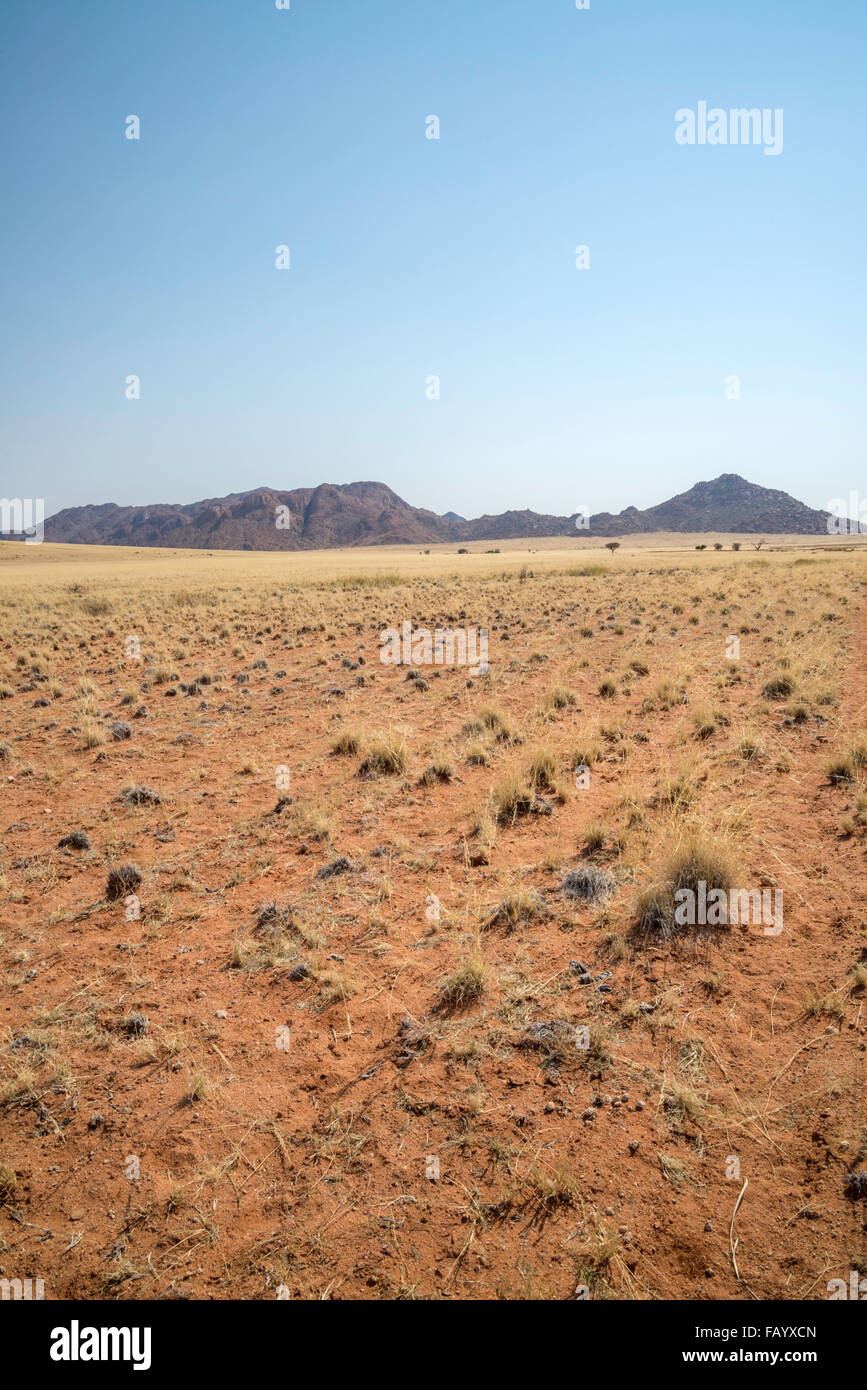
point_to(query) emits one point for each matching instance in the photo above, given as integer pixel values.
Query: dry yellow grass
(333, 977)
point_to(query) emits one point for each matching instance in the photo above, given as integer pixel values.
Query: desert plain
(328, 978)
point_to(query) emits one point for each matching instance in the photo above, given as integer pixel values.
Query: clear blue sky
(411, 257)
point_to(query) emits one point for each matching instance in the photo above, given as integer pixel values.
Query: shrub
(514, 796)
(779, 688)
(698, 861)
(465, 984)
(588, 884)
(559, 697)
(122, 880)
(386, 756)
(490, 721)
(346, 742)
(517, 908)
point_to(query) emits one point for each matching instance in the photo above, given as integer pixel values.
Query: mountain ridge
(341, 515)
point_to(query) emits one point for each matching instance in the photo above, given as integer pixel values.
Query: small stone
(96, 1121)
(633, 1146)
(221, 1013)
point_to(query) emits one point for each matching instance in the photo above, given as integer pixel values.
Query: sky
(718, 324)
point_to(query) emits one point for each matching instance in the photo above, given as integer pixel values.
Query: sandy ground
(208, 1100)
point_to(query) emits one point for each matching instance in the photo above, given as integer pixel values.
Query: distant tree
(717, 545)
(736, 545)
(612, 546)
(760, 544)
(701, 547)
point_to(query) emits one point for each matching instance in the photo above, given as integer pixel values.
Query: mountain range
(335, 515)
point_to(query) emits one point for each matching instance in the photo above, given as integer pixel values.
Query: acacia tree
(612, 545)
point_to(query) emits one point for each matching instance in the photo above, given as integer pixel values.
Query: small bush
(347, 742)
(122, 880)
(698, 861)
(490, 721)
(779, 688)
(559, 697)
(588, 884)
(386, 756)
(517, 908)
(465, 984)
